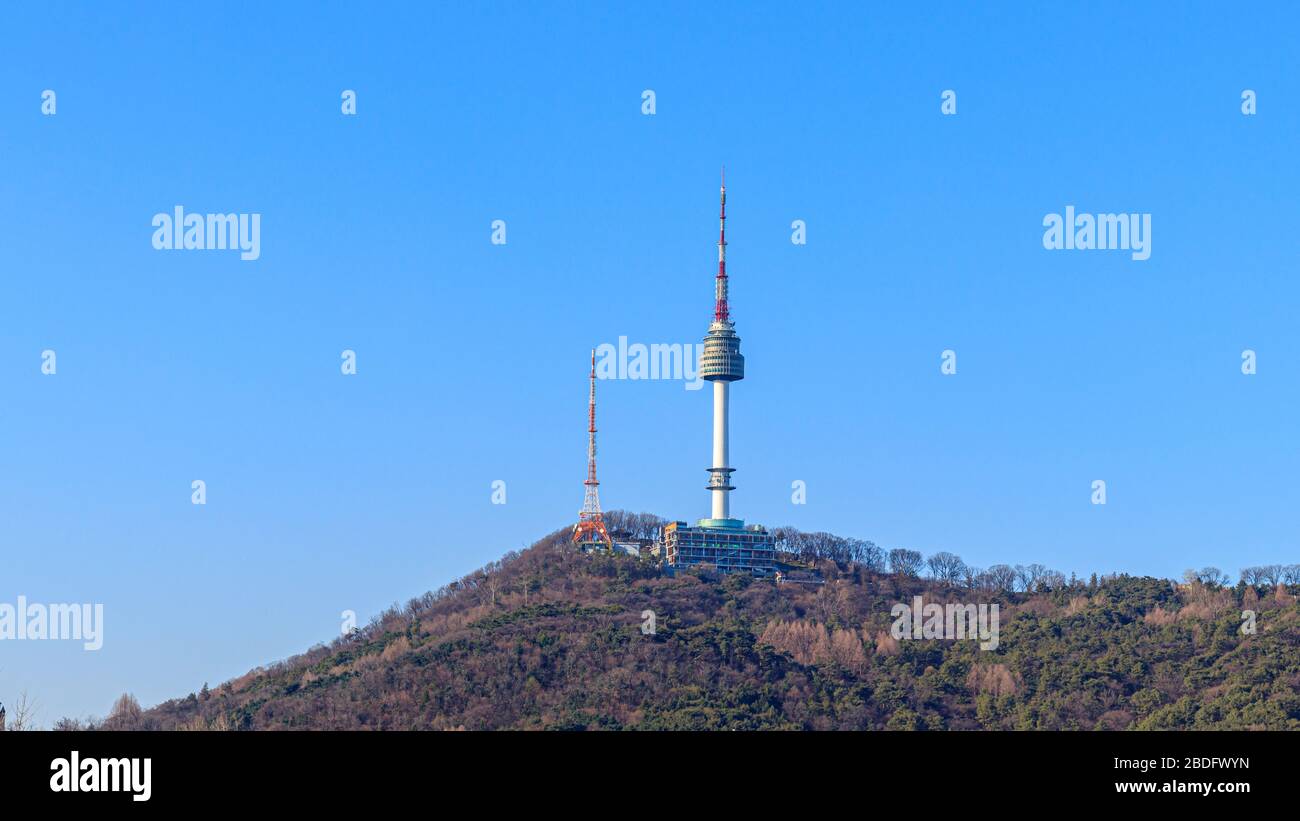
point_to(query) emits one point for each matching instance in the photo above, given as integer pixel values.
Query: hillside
(551, 639)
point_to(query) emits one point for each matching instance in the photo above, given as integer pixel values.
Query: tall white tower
(721, 542)
(721, 364)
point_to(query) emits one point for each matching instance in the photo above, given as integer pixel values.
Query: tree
(904, 562)
(1055, 580)
(1001, 577)
(126, 713)
(946, 567)
(24, 714)
(869, 555)
(1270, 574)
(1037, 575)
(1208, 576)
(1024, 580)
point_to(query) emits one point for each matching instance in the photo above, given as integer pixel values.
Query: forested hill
(552, 639)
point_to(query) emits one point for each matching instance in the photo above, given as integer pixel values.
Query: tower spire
(720, 310)
(590, 529)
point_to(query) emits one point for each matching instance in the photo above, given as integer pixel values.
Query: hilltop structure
(721, 541)
(590, 532)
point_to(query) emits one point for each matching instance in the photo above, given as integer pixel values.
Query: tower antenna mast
(590, 529)
(720, 311)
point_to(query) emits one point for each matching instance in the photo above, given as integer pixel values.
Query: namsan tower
(721, 541)
(721, 364)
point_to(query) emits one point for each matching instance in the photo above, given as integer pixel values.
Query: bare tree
(1052, 580)
(869, 554)
(24, 717)
(1037, 574)
(811, 547)
(904, 562)
(832, 603)
(1024, 580)
(1001, 577)
(1208, 576)
(946, 567)
(125, 715)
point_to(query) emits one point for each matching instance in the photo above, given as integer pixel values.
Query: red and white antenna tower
(720, 312)
(590, 529)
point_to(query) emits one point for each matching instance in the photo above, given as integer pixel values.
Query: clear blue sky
(328, 493)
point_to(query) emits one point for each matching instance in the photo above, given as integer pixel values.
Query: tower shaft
(591, 438)
(720, 473)
(590, 528)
